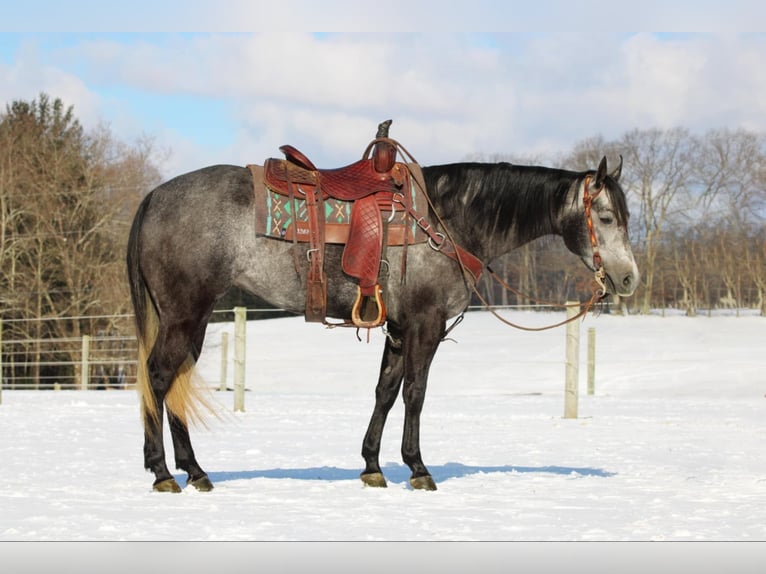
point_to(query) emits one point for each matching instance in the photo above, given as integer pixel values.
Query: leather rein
(598, 287)
(472, 266)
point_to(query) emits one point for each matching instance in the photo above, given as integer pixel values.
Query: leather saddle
(373, 184)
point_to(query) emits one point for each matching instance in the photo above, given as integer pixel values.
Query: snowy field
(670, 447)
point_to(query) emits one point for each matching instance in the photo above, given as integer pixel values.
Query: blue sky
(236, 96)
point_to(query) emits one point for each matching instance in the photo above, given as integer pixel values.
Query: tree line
(67, 198)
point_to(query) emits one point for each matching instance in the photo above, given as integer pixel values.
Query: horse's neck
(527, 214)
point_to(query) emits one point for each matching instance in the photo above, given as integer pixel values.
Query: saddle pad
(279, 217)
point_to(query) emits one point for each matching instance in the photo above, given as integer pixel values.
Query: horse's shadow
(398, 473)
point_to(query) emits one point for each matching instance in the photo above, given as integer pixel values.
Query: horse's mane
(494, 199)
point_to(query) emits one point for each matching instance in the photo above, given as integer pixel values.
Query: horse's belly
(276, 271)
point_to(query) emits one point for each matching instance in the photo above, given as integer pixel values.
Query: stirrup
(362, 304)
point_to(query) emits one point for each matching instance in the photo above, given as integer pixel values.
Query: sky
(234, 95)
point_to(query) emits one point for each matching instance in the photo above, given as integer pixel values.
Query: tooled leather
(361, 257)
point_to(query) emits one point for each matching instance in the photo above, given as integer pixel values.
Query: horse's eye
(606, 219)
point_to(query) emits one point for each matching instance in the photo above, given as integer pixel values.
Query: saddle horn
(383, 129)
(383, 152)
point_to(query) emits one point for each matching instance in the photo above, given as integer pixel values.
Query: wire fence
(98, 361)
(101, 361)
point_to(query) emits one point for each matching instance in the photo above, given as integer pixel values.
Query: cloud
(554, 16)
(450, 95)
(28, 75)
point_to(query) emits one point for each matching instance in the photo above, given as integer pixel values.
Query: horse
(193, 238)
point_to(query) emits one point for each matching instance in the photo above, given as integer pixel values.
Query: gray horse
(194, 237)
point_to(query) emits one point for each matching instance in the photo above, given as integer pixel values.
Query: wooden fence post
(224, 359)
(591, 360)
(572, 362)
(84, 358)
(239, 358)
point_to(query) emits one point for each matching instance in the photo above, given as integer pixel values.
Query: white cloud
(450, 95)
(28, 76)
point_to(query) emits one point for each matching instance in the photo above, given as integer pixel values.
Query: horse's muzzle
(625, 285)
(622, 282)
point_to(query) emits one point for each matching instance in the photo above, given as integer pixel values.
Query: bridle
(598, 290)
(598, 265)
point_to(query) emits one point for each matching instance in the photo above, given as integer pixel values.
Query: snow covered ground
(670, 446)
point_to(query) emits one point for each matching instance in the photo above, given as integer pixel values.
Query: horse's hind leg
(182, 447)
(389, 382)
(171, 348)
(184, 455)
(154, 452)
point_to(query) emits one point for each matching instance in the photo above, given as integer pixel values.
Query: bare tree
(661, 164)
(754, 260)
(67, 197)
(686, 270)
(730, 173)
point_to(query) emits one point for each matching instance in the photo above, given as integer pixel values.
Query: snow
(670, 446)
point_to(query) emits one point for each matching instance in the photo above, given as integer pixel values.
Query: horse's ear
(615, 175)
(601, 173)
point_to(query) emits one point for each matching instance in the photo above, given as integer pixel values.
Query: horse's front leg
(420, 346)
(389, 382)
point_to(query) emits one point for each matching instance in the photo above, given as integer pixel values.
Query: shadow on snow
(397, 473)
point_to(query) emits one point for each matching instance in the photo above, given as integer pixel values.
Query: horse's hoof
(202, 484)
(375, 479)
(167, 485)
(423, 483)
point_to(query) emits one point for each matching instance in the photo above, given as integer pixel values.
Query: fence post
(1, 361)
(239, 358)
(572, 362)
(224, 359)
(84, 362)
(591, 360)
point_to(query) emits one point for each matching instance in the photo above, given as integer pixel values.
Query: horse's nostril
(627, 281)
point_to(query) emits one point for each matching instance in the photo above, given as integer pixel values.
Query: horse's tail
(185, 398)
(145, 315)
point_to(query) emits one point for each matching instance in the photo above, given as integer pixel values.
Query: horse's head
(595, 227)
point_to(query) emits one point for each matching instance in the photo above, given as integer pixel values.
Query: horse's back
(227, 187)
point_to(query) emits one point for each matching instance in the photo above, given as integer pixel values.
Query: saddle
(373, 184)
(356, 206)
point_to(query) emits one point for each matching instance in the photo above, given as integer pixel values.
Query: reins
(598, 288)
(597, 295)
(438, 241)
